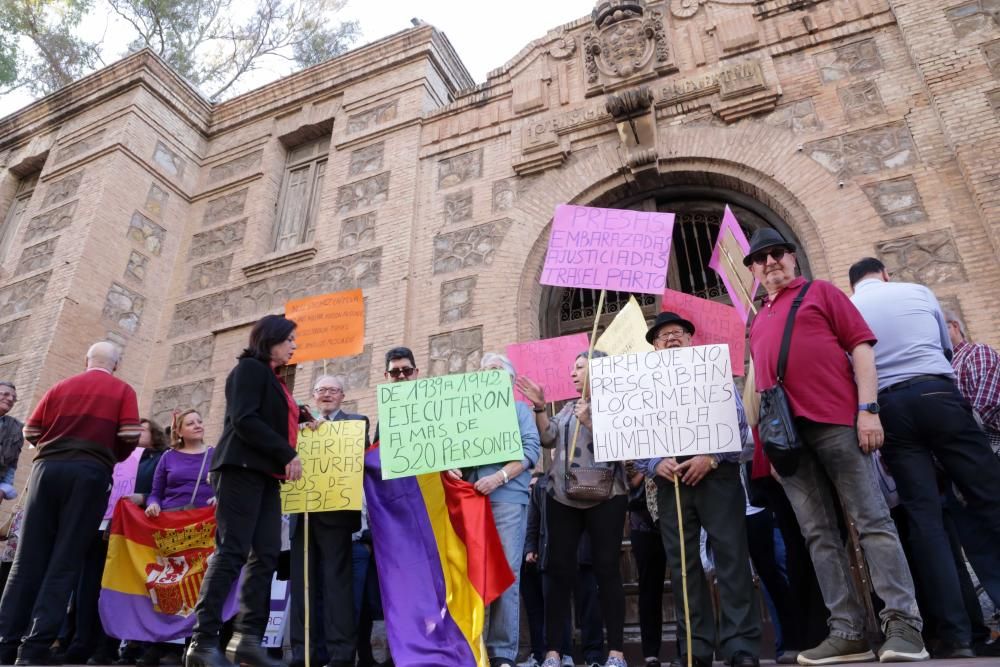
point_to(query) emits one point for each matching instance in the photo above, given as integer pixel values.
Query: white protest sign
(675, 402)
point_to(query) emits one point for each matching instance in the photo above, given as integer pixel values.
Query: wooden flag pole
(305, 579)
(750, 397)
(732, 267)
(590, 352)
(684, 573)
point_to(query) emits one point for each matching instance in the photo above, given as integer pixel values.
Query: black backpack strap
(786, 338)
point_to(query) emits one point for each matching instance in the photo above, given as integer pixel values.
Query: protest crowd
(851, 499)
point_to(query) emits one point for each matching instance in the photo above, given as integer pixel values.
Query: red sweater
(93, 415)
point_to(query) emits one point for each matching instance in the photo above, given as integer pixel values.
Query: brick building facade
(135, 210)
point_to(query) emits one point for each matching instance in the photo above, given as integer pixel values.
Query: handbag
(589, 484)
(776, 426)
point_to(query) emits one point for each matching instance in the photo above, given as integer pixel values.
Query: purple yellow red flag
(727, 260)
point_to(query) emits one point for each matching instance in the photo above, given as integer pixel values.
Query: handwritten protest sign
(727, 260)
(329, 325)
(451, 421)
(714, 322)
(123, 480)
(675, 402)
(332, 467)
(605, 248)
(626, 333)
(548, 362)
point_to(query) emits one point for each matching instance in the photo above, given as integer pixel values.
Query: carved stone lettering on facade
(156, 199)
(970, 17)
(213, 273)
(849, 60)
(456, 351)
(218, 240)
(797, 116)
(861, 100)
(731, 81)
(361, 269)
(169, 161)
(357, 231)
(930, 258)
(866, 151)
(227, 206)
(11, 335)
(24, 295)
(458, 206)
(136, 268)
(123, 307)
(354, 370)
(80, 147)
(146, 233)
(38, 256)
(362, 194)
(366, 160)
(63, 189)
(235, 167)
(459, 169)
(991, 52)
(192, 357)
(504, 195)
(196, 395)
(50, 222)
(456, 298)
(375, 116)
(464, 248)
(897, 201)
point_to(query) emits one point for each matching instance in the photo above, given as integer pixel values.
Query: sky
(485, 34)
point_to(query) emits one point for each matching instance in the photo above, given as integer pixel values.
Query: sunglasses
(405, 372)
(761, 257)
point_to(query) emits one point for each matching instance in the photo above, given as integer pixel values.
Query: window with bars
(12, 221)
(301, 187)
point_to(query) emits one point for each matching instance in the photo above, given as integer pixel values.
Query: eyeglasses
(328, 390)
(406, 371)
(667, 335)
(8, 394)
(761, 257)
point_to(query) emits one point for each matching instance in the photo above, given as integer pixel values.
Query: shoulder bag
(589, 484)
(197, 485)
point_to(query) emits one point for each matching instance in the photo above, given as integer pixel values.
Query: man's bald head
(103, 355)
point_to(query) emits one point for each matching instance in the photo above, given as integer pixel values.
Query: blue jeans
(503, 616)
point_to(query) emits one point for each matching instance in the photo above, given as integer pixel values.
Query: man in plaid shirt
(977, 366)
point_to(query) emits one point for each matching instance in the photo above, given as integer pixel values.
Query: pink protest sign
(604, 248)
(713, 323)
(548, 362)
(727, 260)
(123, 480)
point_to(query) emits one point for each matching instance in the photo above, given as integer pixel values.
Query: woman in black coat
(255, 452)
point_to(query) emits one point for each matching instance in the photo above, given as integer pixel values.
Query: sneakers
(552, 662)
(834, 650)
(615, 661)
(530, 662)
(903, 643)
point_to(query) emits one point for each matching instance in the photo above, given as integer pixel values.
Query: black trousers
(760, 540)
(89, 637)
(651, 563)
(63, 510)
(248, 512)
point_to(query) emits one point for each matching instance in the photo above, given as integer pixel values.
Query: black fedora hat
(665, 318)
(765, 238)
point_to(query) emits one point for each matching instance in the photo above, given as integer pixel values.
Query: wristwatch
(715, 461)
(869, 407)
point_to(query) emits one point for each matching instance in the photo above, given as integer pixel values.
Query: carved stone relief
(458, 206)
(366, 160)
(930, 258)
(866, 151)
(11, 335)
(974, 16)
(361, 194)
(897, 201)
(50, 222)
(197, 395)
(797, 116)
(136, 268)
(456, 298)
(627, 39)
(193, 357)
(63, 189)
(375, 116)
(123, 307)
(156, 199)
(456, 351)
(235, 167)
(147, 233)
(213, 273)
(504, 195)
(861, 100)
(361, 269)
(685, 9)
(24, 295)
(991, 52)
(227, 206)
(38, 256)
(849, 60)
(169, 161)
(80, 147)
(464, 248)
(357, 231)
(217, 240)
(459, 169)
(355, 370)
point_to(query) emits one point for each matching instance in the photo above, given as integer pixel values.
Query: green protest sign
(452, 421)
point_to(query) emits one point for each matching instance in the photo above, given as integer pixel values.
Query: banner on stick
(675, 402)
(714, 322)
(549, 362)
(123, 480)
(333, 462)
(329, 325)
(626, 333)
(727, 260)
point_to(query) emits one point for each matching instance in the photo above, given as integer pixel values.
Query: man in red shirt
(836, 415)
(82, 427)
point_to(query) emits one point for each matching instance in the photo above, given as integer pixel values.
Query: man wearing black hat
(711, 498)
(831, 386)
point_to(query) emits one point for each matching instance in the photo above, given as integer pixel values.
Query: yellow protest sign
(626, 333)
(333, 461)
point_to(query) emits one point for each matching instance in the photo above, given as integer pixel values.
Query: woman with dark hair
(255, 451)
(154, 443)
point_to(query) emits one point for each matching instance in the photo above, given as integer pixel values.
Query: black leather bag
(589, 484)
(776, 426)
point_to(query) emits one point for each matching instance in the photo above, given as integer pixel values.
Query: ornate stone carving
(974, 16)
(235, 167)
(991, 52)
(38, 256)
(375, 116)
(504, 195)
(24, 295)
(464, 248)
(226, 206)
(456, 298)
(356, 370)
(213, 273)
(11, 334)
(80, 147)
(169, 161)
(849, 60)
(362, 194)
(262, 296)
(366, 160)
(156, 199)
(456, 351)
(459, 169)
(217, 240)
(866, 151)
(197, 395)
(357, 231)
(797, 116)
(123, 307)
(192, 357)
(458, 206)
(861, 100)
(897, 201)
(136, 268)
(50, 222)
(626, 40)
(63, 189)
(629, 103)
(147, 233)
(563, 47)
(685, 9)
(930, 258)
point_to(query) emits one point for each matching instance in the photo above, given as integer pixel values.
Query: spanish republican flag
(154, 571)
(440, 563)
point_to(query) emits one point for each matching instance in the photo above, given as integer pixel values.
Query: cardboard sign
(277, 619)
(549, 362)
(605, 248)
(676, 402)
(123, 480)
(727, 260)
(329, 325)
(332, 469)
(713, 323)
(626, 333)
(451, 421)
